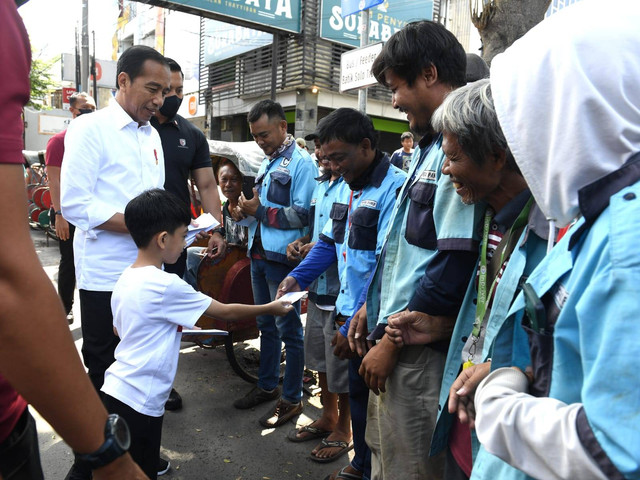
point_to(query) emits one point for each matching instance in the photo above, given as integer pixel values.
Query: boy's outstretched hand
(281, 307)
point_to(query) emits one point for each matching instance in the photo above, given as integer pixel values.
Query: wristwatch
(221, 230)
(116, 443)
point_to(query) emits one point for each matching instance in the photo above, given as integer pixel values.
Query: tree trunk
(502, 22)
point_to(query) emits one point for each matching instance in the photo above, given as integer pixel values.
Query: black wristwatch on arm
(221, 230)
(116, 443)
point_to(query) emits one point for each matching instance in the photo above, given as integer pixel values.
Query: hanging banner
(223, 40)
(386, 19)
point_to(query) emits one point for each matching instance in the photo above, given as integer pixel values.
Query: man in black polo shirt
(186, 152)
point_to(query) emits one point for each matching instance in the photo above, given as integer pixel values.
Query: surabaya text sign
(355, 67)
(280, 14)
(386, 19)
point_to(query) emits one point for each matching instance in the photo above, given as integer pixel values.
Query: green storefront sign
(279, 14)
(386, 19)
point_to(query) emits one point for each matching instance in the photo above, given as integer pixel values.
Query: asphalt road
(208, 439)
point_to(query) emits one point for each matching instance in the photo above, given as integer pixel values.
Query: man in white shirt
(110, 157)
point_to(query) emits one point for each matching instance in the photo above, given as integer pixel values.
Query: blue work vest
(324, 289)
(358, 222)
(589, 286)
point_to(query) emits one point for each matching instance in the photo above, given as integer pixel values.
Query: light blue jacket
(358, 231)
(324, 289)
(428, 214)
(530, 250)
(591, 279)
(285, 186)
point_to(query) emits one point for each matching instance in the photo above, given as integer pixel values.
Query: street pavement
(208, 439)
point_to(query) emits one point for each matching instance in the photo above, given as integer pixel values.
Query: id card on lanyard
(484, 296)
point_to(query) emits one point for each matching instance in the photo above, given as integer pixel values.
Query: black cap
(311, 136)
(476, 68)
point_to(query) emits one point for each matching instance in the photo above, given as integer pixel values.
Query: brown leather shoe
(281, 414)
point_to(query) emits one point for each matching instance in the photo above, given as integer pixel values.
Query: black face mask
(170, 106)
(85, 110)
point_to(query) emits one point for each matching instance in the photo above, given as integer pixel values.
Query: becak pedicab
(37, 188)
(228, 279)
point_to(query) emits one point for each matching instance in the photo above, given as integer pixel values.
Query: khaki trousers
(400, 422)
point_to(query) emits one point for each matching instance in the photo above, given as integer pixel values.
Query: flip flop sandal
(312, 432)
(342, 475)
(344, 448)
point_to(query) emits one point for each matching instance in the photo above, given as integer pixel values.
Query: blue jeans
(193, 263)
(358, 400)
(265, 278)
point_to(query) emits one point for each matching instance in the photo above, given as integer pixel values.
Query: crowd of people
(459, 329)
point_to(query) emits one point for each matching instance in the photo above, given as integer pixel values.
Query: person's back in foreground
(150, 307)
(38, 365)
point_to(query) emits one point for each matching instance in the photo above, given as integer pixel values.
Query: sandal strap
(333, 444)
(342, 475)
(313, 430)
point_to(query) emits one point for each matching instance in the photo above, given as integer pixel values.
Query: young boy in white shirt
(150, 308)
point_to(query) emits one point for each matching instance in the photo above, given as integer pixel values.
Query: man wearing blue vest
(280, 206)
(334, 425)
(428, 258)
(358, 221)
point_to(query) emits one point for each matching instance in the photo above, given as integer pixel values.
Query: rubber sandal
(344, 448)
(313, 434)
(342, 475)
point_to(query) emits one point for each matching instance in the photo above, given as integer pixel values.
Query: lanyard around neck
(484, 296)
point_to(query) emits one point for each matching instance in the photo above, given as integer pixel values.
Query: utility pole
(364, 41)
(84, 76)
(93, 70)
(77, 64)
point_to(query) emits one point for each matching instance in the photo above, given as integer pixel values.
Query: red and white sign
(98, 72)
(66, 94)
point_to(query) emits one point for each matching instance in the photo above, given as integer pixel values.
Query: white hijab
(567, 95)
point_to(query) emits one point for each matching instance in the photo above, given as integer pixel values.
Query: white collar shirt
(108, 160)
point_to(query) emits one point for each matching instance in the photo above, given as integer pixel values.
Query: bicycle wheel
(244, 358)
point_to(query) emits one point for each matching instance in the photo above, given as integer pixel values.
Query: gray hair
(469, 114)
(73, 99)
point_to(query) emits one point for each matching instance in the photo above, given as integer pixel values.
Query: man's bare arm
(62, 226)
(38, 356)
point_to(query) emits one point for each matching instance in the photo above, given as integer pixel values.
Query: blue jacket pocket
(280, 188)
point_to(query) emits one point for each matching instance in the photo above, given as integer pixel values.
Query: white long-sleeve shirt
(108, 160)
(536, 435)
